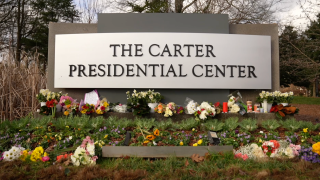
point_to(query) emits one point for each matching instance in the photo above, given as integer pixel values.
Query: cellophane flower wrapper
(190, 106)
(120, 108)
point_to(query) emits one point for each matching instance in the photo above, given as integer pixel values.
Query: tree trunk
(178, 6)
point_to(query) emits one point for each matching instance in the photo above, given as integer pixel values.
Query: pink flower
(46, 158)
(239, 155)
(245, 157)
(94, 158)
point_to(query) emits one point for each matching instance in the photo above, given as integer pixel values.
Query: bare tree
(90, 8)
(240, 11)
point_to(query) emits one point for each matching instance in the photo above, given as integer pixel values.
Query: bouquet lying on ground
(85, 153)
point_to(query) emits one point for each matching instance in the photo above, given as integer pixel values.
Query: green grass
(306, 100)
(215, 166)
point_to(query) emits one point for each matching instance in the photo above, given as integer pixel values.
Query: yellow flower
(146, 142)
(59, 138)
(316, 148)
(45, 154)
(98, 111)
(105, 104)
(106, 136)
(195, 144)
(181, 143)
(302, 140)
(66, 113)
(200, 142)
(20, 130)
(305, 130)
(260, 140)
(83, 111)
(67, 126)
(100, 144)
(193, 129)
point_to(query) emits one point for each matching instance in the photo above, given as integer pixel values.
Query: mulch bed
(308, 112)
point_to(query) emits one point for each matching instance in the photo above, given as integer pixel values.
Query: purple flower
(116, 142)
(200, 136)
(122, 129)
(118, 131)
(105, 128)
(236, 131)
(182, 131)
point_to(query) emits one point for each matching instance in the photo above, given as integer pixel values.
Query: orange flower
(146, 142)
(79, 129)
(156, 132)
(151, 137)
(68, 106)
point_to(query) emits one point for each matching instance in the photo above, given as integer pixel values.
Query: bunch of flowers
(46, 95)
(121, 108)
(241, 156)
(204, 110)
(281, 111)
(218, 107)
(180, 110)
(85, 153)
(253, 151)
(66, 101)
(160, 108)
(233, 108)
(170, 109)
(191, 107)
(13, 154)
(87, 109)
(38, 154)
(265, 96)
(63, 157)
(150, 96)
(102, 106)
(100, 143)
(72, 108)
(270, 147)
(152, 137)
(286, 97)
(307, 154)
(199, 142)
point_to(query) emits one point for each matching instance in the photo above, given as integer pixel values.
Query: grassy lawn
(215, 166)
(306, 100)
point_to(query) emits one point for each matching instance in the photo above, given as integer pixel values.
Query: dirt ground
(308, 112)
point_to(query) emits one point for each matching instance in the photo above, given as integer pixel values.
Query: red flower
(202, 109)
(199, 112)
(51, 104)
(217, 104)
(274, 109)
(85, 107)
(102, 108)
(275, 143)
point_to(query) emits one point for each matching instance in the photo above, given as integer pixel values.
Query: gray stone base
(161, 151)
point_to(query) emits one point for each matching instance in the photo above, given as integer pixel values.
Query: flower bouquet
(87, 109)
(85, 153)
(102, 106)
(204, 110)
(13, 154)
(270, 147)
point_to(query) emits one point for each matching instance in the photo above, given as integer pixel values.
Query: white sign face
(163, 60)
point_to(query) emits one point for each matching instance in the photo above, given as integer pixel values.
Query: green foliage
(164, 125)
(270, 125)
(248, 124)
(291, 124)
(47, 11)
(309, 125)
(214, 125)
(188, 124)
(144, 124)
(97, 122)
(231, 123)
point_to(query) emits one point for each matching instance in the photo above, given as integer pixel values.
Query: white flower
(154, 143)
(235, 108)
(70, 137)
(254, 146)
(289, 152)
(203, 115)
(261, 132)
